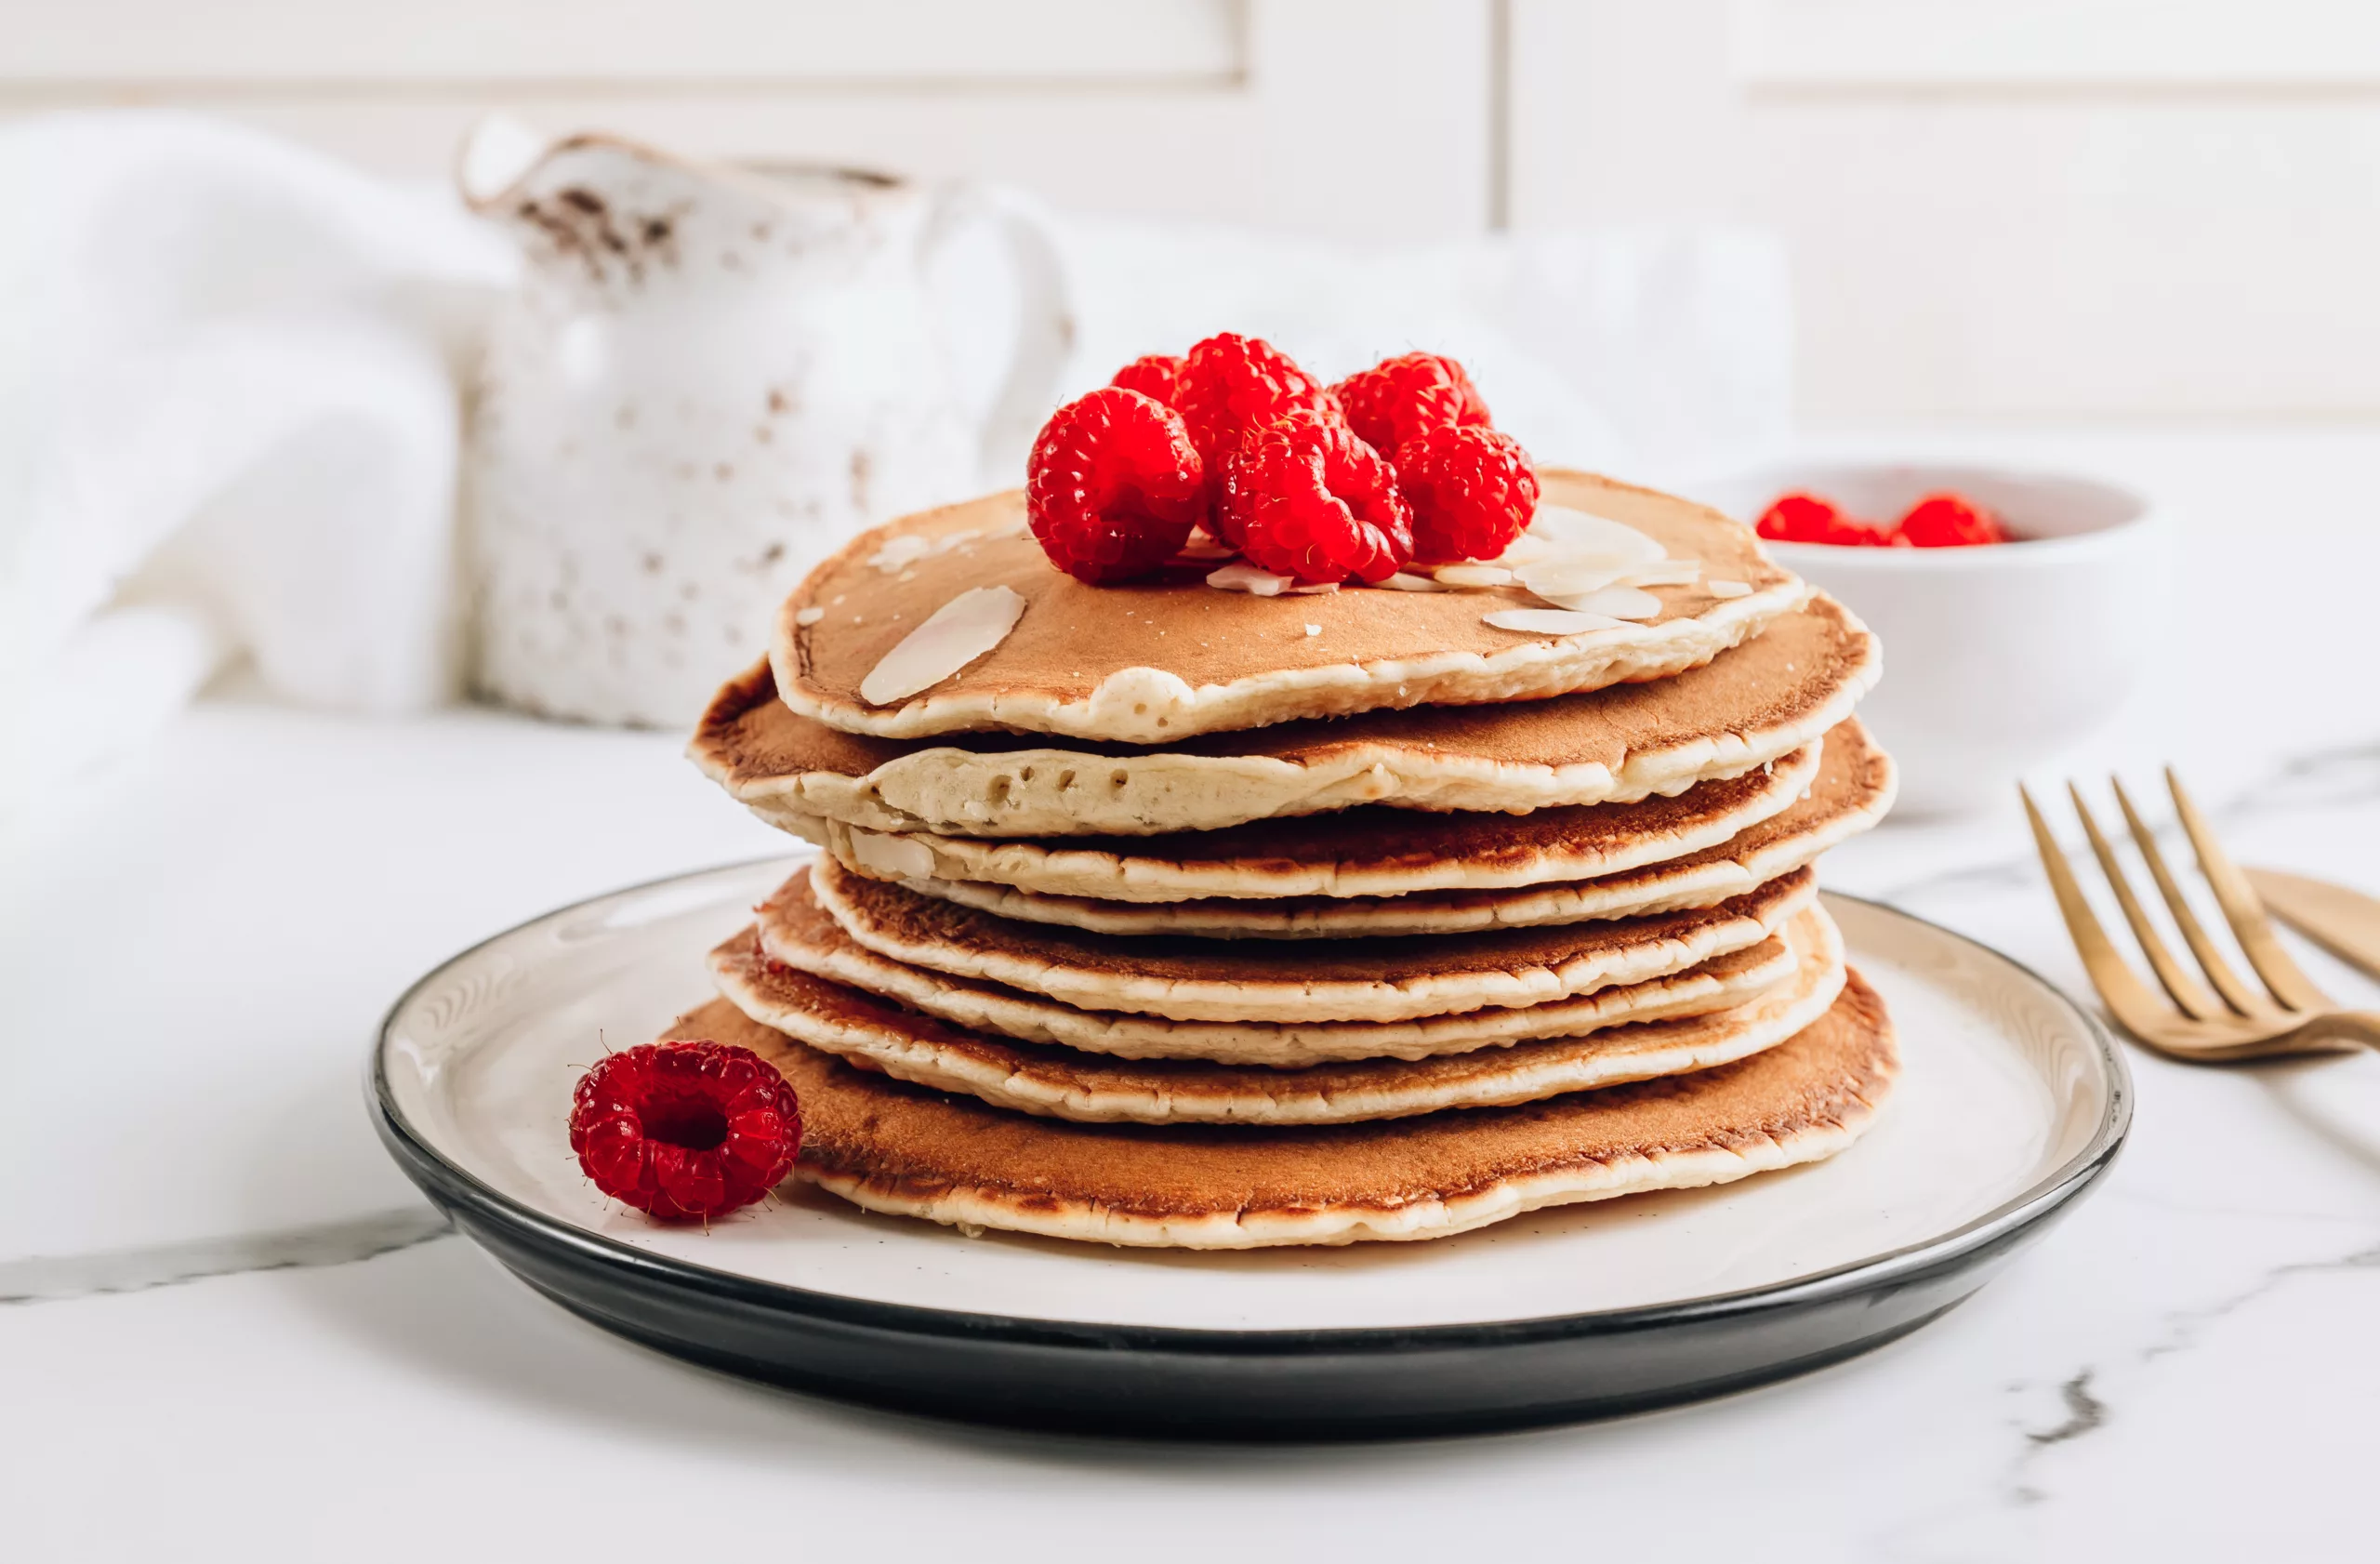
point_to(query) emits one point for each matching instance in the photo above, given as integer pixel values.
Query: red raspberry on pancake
(1303, 497)
(1113, 485)
(1152, 374)
(1471, 491)
(1400, 399)
(1228, 384)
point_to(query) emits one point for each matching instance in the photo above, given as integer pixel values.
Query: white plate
(2011, 1099)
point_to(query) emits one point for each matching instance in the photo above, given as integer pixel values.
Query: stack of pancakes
(1184, 915)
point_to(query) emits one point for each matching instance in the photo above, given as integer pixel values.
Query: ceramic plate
(2011, 1102)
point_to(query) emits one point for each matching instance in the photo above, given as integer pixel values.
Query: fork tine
(2196, 1002)
(2218, 972)
(2126, 996)
(2243, 910)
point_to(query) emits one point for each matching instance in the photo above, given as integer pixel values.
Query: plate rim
(453, 1187)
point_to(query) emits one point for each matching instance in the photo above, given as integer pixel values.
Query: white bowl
(1996, 657)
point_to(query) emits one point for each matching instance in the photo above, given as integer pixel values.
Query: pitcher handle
(1045, 325)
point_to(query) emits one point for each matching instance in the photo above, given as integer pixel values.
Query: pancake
(891, 1147)
(1062, 1083)
(1368, 851)
(1794, 679)
(795, 930)
(1257, 980)
(1853, 791)
(1156, 662)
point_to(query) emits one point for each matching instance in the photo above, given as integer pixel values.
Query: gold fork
(2235, 1021)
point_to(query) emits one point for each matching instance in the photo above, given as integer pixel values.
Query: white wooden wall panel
(1351, 119)
(252, 45)
(2032, 231)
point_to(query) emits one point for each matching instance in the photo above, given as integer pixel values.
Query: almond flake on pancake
(1241, 576)
(1581, 531)
(1550, 621)
(1730, 589)
(1406, 581)
(809, 616)
(956, 633)
(1472, 574)
(1618, 603)
(901, 552)
(1312, 588)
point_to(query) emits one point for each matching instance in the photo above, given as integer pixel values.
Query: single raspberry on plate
(1302, 496)
(1229, 384)
(1948, 521)
(1157, 374)
(685, 1131)
(1471, 491)
(1402, 397)
(1809, 518)
(1113, 485)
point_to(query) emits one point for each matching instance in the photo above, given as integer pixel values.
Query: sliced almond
(1202, 547)
(1582, 532)
(1616, 603)
(1668, 573)
(1406, 581)
(953, 636)
(809, 616)
(1241, 576)
(1548, 622)
(899, 554)
(1310, 589)
(1472, 574)
(1730, 589)
(1572, 575)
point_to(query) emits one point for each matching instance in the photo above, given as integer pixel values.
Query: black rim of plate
(459, 1189)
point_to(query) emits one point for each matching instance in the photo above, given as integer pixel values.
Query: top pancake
(1156, 662)
(1798, 677)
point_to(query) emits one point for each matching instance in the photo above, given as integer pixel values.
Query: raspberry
(1153, 375)
(1229, 384)
(1403, 398)
(685, 1131)
(1302, 496)
(1808, 517)
(1948, 521)
(1471, 490)
(1113, 485)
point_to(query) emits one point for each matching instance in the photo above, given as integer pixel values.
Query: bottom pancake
(1064, 1083)
(891, 1147)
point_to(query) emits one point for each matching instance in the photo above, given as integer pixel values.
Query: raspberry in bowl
(2006, 647)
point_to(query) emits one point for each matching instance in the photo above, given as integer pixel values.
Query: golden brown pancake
(892, 1146)
(1063, 1083)
(1156, 662)
(1191, 979)
(1364, 852)
(1853, 791)
(795, 930)
(1794, 679)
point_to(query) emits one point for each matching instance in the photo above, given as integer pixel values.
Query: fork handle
(2343, 1025)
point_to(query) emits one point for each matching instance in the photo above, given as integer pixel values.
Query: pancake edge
(1103, 876)
(1239, 999)
(920, 1062)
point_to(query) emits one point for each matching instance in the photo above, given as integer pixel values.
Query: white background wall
(2093, 208)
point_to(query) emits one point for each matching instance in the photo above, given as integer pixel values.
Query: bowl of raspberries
(2016, 607)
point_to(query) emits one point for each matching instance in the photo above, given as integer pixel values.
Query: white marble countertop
(232, 1329)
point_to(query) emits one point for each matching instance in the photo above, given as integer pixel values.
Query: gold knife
(2345, 923)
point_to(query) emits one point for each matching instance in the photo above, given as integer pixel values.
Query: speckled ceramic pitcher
(709, 378)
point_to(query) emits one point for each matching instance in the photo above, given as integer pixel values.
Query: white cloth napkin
(228, 422)
(231, 372)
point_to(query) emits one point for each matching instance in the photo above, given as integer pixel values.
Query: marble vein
(41, 1278)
